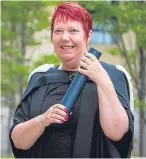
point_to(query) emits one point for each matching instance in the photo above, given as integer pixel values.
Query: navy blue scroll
(77, 85)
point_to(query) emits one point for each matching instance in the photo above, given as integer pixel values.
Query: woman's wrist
(102, 78)
(39, 119)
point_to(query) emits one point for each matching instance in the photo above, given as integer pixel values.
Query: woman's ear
(89, 36)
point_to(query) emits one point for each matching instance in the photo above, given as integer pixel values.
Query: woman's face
(69, 42)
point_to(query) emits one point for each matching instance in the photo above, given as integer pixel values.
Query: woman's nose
(65, 36)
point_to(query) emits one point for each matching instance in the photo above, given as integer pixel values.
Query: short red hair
(72, 11)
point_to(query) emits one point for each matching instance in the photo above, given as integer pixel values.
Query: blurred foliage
(33, 13)
(12, 71)
(46, 59)
(124, 16)
(113, 51)
(139, 103)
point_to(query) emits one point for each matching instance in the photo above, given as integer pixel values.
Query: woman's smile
(68, 51)
(67, 47)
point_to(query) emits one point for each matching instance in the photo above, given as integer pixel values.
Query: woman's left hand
(91, 67)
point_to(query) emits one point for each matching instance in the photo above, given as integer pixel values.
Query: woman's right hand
(55, 114)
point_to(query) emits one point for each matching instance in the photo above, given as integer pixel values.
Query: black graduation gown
(88, 128)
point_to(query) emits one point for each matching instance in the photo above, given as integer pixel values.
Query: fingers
(88, 65)
(86, 60)
(91, 57)
(83, 71)
(91, 67)
(84, 65)
(53, 120)
(56, 114)
(59, 106)
(58, 109)
(59, 117)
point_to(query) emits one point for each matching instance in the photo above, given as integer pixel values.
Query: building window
(101, 36)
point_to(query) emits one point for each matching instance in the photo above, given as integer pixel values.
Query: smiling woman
(70, 34)
(69, 42)
(101, 122)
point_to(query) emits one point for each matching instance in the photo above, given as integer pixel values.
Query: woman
(42, 128)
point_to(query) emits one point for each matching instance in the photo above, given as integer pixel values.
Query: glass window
(100, 36)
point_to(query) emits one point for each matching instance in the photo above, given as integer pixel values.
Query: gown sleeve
(21, 115)
(125, 145)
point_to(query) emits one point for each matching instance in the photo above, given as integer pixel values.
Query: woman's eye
(74, 31)
(58, 31)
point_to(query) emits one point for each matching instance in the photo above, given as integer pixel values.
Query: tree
(19, 22)
(119, 19)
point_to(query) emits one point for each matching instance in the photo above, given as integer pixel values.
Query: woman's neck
(72, 68)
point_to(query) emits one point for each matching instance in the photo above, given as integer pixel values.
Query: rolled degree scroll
(77, 86)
